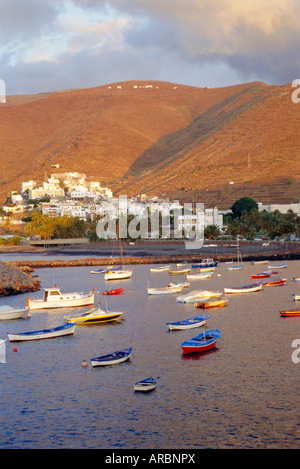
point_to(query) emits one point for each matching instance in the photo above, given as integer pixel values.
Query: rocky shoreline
(16, 279)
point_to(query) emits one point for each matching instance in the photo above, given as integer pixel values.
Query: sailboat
(118, 274)
(239, 264)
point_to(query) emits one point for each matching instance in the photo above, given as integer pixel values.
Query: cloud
(60, 44)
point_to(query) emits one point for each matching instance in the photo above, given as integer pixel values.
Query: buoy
(84, 364)
(15, 349)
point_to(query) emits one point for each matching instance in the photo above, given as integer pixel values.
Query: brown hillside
(174, 139)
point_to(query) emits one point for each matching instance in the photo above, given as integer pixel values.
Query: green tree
(245, 204)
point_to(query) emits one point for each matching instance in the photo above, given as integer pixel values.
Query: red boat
(275, 283)
(115, 291)
(290, 312)
(263, 274)
(202, 342)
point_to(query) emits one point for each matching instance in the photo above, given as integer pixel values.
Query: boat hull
(95, 318)
(117, 274)
(64, 302)
(190, 323)
(244, 289)
(198, 276)
(116, 291)
(112, 359)
(196, 295)
(275, 283)
(179, 272)
(164, 291)
(66, 329)
(145, 385)
(290, 313)
(201, 343)
(10, 313)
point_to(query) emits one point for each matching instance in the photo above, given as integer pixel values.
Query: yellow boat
(95, 316)
(212, 304)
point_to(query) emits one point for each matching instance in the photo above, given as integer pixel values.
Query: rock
(13, 281)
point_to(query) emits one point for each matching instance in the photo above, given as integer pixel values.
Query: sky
(49, 45)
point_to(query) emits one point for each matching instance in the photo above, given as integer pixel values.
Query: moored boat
(190, 323)
(259, 262)
(145, 385)
(195, 295)
(112, 358)
(114, 291)
(7, 312)
(211, 304)
(205, 263)
(179, 272)
(245, 288)
(296, 279)
(165, 290)
(117, 274)
(290, 312)
(266, 274)
(59, 331)
(296, 296)
(54, 298)
(160, 268)
(202, 342)
(275, 282)
(199, 276)
(278, 266)
(95, 316)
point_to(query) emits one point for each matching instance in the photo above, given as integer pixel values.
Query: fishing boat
(275, 282)
(195, 295)
(199, 276)
(7, 312)
(296, 296)
(290, 313)
(239, 264)
(114, 291)
(179, 272)
(205, 263)
(54, 298)
(59, 331)
(145, 385)
(279, 266)
(190, 323)
(95, 316)
(266, 274)
(160, 268)
(165, 290)
(202, 342)
(211, 304)
(117, 274)
(112, 358)
(98, 271)
(245, 288)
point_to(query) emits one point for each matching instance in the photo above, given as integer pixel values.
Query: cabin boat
(145, 385)
(95, 316)
(54, 298)
(205, 263)
(59, 331)
(202, 342)
(7, 312)
(112, 358)
(117, 274)
(245, 288)
(190, 323)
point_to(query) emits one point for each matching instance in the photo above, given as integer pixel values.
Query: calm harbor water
(243, 394)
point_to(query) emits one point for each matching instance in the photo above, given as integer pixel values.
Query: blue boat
(202, 342)
(205, 263)
(189, 323)
(112, 358)
(145, 385)
(65, 329)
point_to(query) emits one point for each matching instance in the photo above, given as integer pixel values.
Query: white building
(282, 208)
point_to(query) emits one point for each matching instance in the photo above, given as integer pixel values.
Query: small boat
(275, 282)
(205, 269)
(280, 266)
(117, 274)
(211, 304)
(235, 267)
(160, 269)
(290, 312)
(95, 316)
(259, 262)
(7, 312)
(266, 274)
(198, 276)
(115, 291)
(239, 261)
(245, 288)
(296, 279)
(165, 290)
(54, 298)
(145, 385)
(195, 295)
(180, 284)
(190, 323)
(98, 271)
(202, 342)
(182, 264)
(112, 358)
(59, 331)
(296, 296)
(205, 263)
(179, 272)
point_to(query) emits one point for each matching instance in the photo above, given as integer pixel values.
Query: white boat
(190, 323)
(165, 290)
(245, 288)
(195, 295)
(296, 296)
(112, 358)
(278, 266)
(160, 269)
(117, 274)
(7, 312)
(95, 316)
(54, 298)
(199, 276)
(259, 262)
(180, 284)
(145, 385)
(65, 329)
(296, 279)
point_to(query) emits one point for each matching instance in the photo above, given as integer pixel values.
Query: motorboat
(114, 291)
(7, 312)
(54, 298)
(95, 316)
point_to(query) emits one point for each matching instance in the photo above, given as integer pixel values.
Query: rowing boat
(179, 272)
(199, 276)
(145, 385)
(244, 288)
(65, 329)
(202, 342)
(275, 282)
(190, 323)
(266, 274)
(280, 266)
(290, 313)
(7, 312)
(160, 269)
(112, 358)
(195, 295)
